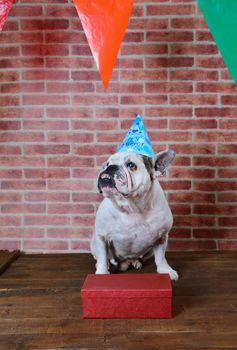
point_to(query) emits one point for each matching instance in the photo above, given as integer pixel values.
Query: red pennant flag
(5, 6)
(104, 23)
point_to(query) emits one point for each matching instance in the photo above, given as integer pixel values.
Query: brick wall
(58, 125)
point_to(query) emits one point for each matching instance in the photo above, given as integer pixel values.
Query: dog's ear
(161, 162)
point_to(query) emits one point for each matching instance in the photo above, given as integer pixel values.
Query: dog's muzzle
(109, 177)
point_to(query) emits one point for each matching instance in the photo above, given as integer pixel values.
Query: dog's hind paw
(137, 264)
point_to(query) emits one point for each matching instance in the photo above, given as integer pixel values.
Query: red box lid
(127, 285)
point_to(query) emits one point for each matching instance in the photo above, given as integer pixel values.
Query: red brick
(46, 149)
(148, 23)
(87, 220)
(9, 51)
(87, 150)
(215, 186)
(46, 24)
(214, 233)
(81, 246)
(193, 49)
(184, 124)
(194, 173)
(168, 10)
(95, 125)
(194, 75)
(215, 87)
(191, 197)
(21, 161)
(49, 245)
(10, 245)
(44, 220)
(180, 233)
(227, 149)
(227, 197)
(229, 100)
(185, 245)
(47, 173)
(169, 185)
(22, 137)
(45, 75)
(227, 245)
(71, 185)
(9, 101)
(22, 232)
(71, 209)
(215, 161)
(70, 161)
(68, 233)
(210, 62)
(188, 22)
(169, 112)
(8, 76)
(168, 87)
(144, 49)
(69, 62)
(72, 137)
(47, 196)
(215, 209)
(69, 112)
(45, 50)
(10, 197)
(26, 11)
(202, 136)
(45, 100)
(180, 209)
(45, 125)
(23, 185)
(169, 36)
(193, 99)
(193, 149)
(70, 87)
(216, 112)
(60, 11)
(10, 220)
(228, 124)
(23, 208)
(230, 221)
(146, 99)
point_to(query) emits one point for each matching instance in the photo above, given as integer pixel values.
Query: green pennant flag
(221, 18)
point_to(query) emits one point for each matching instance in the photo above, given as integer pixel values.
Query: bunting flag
(104, 23)
(5, 6)
(221, 18)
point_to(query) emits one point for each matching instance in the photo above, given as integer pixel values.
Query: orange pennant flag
(104, 23)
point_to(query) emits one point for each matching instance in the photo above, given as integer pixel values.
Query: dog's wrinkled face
(129, 174)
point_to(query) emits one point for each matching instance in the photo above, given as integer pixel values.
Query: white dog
(134, 218)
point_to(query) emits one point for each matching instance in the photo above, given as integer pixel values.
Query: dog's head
(130, 174)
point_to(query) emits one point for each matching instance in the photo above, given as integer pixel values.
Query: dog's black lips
(109, 181)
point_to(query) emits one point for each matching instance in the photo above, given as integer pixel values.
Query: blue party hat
(137, 139)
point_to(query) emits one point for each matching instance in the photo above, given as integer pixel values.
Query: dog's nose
(105, 176)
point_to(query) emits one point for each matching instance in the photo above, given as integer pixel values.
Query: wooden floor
(40, 306)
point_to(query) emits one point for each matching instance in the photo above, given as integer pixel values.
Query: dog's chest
(133, 236)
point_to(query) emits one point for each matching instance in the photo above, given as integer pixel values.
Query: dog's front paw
(102, 271)
(167, 269)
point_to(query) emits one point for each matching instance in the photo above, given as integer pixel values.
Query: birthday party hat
(137, 139)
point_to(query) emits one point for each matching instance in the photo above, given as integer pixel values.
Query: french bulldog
(134, 219)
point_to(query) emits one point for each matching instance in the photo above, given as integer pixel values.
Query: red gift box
(127, 296)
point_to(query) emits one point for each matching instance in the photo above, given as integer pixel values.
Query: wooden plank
(40, 306)
(7, 258)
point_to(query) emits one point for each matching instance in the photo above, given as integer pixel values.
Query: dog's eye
(131, 166)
